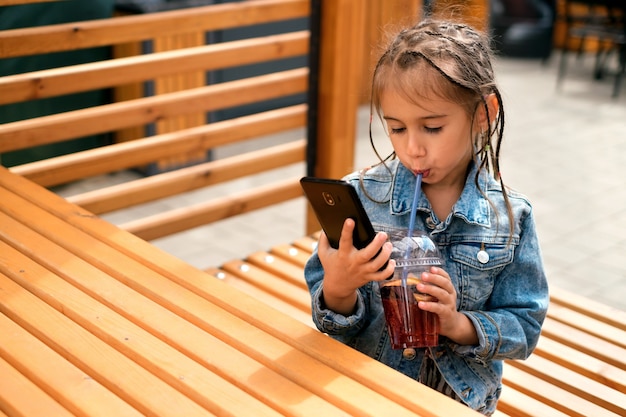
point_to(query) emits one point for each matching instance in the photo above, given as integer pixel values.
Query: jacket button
(409, 354)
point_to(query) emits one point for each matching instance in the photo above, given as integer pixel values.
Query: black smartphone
(334, 201)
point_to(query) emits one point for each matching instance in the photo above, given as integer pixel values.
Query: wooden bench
(579, 367)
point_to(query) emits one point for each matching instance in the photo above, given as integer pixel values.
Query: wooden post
(471, 12)
(164, 85)
(178, 82)
(341, 61)
(383, 21)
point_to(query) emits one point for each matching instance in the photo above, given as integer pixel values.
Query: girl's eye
(432, 129)
(395, 131)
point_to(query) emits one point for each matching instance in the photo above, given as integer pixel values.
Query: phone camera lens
(328, 198)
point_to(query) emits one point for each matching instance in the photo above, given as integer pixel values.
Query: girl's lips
(423, 172)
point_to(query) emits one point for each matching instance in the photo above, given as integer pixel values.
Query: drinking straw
(416, 197)
(407, 253)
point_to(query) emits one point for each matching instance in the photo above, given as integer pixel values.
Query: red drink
(408, 326)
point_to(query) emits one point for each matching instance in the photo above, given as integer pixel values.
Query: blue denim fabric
(506, 298)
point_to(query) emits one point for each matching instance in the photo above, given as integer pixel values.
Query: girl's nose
(415, 146)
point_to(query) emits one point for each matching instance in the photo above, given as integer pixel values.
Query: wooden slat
(73, 302)
(110, 117)
(571, 381)
(80, 345)
(279, 267)
(115, 72)
(20, 396)
(585, 342)
(251, 289)
(78, 35)
(517, 404)
(584, 364)
(551, 395)
(588, 324)
(119, 156)
(269, 283)
(589, 307)
(292, 253)
(178, 220)
(585, 377)
(306, 243)
(191, 178)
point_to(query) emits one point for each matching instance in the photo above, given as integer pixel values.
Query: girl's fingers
(345, 241)
(439, 278)
(323, 243)
(376, 246)
(438, 284)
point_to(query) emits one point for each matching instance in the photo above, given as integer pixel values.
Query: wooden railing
(333, 84)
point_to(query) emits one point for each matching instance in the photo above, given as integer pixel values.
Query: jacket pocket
(477, 267)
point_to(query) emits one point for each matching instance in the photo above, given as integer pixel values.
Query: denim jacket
(505, 296)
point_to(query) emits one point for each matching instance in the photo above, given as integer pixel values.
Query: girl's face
(429, 136)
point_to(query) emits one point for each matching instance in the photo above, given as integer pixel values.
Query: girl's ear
(481, 115)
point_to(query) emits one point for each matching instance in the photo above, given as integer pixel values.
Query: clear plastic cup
(407, 324)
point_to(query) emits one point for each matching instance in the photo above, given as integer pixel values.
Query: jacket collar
(471, 206)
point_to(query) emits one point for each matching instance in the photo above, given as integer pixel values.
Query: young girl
(434, 91)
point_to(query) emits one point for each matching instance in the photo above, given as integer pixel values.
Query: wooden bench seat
(578, 368)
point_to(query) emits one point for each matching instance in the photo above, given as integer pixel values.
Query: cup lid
(415, 250)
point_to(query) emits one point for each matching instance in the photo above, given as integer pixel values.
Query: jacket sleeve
(341, 327)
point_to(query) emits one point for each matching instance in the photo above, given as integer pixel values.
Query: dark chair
(522, 28)
(603, 21)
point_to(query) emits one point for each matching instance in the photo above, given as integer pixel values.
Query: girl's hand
(452, 324)
(346, 269)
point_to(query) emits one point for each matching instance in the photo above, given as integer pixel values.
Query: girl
(434, 90)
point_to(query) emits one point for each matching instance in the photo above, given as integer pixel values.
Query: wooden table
(95, 321)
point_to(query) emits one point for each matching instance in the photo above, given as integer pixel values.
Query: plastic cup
(407, 324)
